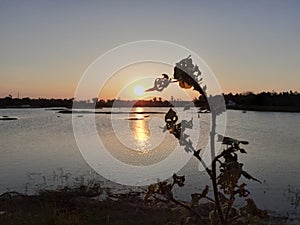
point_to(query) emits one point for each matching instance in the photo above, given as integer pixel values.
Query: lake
(39, 151)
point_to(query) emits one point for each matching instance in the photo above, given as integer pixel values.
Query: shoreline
(288, 109)
(93, 205)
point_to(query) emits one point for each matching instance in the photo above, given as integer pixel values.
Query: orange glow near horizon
(131, 82)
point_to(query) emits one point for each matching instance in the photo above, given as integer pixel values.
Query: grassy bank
(89, 206)
(80, 206)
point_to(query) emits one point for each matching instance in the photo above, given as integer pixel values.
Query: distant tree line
(9, 102)
(265, 98)
(247, 99)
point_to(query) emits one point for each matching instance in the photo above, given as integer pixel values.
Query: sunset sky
(45, 46)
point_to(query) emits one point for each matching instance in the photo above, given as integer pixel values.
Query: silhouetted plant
(225, 170)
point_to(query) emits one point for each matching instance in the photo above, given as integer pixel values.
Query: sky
(45, 46)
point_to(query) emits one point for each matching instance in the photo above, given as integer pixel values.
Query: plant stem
(196, 154)
(216, 194)
(214, 171)
(229, 206)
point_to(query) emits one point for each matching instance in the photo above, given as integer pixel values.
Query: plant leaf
(248, 176)
(243, 151)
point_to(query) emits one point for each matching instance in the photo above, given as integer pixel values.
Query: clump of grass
(82, 206)
(292, 194)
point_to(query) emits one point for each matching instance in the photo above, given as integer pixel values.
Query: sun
(139, 90)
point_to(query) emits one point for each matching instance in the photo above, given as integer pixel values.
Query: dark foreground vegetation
(94, 206)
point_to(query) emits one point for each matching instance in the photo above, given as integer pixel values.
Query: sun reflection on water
(141, 132)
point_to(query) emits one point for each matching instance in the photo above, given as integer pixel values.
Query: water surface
(39, 151)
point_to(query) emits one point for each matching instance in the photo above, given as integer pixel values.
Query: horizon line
(99, 98)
